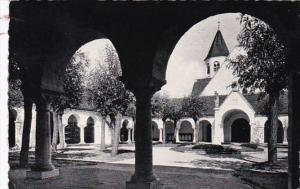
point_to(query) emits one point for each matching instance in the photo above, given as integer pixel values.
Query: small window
(208, 69)
(216, 66)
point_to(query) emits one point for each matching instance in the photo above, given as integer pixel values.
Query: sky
(186, 63)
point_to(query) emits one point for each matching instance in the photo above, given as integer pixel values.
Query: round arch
(171, 36)
(89, 130)
(186, 131)
(155, 131)
(205, 131)
(236, 126)
(124, 131)
(169, 131)
(72, 131)
(280, 132)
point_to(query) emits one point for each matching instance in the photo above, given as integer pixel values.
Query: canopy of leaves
(173, 110)
(263, 66)
(73, 83)
(192, 107)
(15, 96)
(109, 93)
(158, 104)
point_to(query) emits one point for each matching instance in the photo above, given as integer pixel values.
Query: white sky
(186, 63)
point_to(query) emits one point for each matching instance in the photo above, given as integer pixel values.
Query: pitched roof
(218, 47)
(199, 86)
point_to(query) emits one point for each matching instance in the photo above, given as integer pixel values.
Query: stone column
(195, 135)
(132, 140)
(164, 132)
(143, 177)
(161, 135)
(81, 135)
(61, 131)
(43, 167)
(177, 134)
(293, 130)
(129, 136)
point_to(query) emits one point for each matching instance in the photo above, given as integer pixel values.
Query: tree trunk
(102, 146)
(273, 120)
(116, 128)
(55, 131)
(26, 132)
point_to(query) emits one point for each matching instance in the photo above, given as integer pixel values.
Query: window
(216, 66)
(208, 69)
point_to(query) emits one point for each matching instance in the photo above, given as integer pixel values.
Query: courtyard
(85, 166)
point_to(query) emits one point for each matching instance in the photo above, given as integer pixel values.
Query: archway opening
(89, 131)
(12, 128)
(240, 130)
(205, 131)
(72, 131)
(124, 131)
(236, 127)
(186, 131)
(155, 131)
(280, 132)
(169, 131)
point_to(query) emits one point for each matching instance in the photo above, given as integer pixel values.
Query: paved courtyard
(88, 167)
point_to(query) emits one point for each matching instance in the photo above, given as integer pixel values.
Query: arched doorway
(89, 131)
(72, 131)
(12, 127)
(205, 131)
(169, 131)
(186, 131)
(155, 131)
(124, 131)
(240, 130)
(280, 132)
(236, 126)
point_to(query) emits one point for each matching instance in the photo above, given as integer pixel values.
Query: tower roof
(218, 47)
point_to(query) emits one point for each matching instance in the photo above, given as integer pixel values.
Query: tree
(73, 92)
(110, 95)
(262, 67)
(173, 110)
(193, 107)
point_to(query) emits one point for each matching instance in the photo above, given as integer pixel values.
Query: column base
(144, 185)
(42, 174)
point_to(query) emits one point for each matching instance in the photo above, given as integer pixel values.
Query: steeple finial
(218, 23)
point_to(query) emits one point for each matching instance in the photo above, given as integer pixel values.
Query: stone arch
(236, 126)
(170, 37)
(12, 127)
(72, 131)
(155, 131)
(124, 131)
(169, 131)
(280, 132)
(89, 131)
(205, 131)
(186, 131)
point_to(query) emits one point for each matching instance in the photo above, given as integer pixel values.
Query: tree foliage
(110, 95)
(263, 66)
(158, 104)
(73, 83)
(193, 107)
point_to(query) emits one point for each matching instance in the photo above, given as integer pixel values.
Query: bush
(250, 145)
(216, 149)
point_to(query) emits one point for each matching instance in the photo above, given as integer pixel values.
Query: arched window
(216, 66)
(208, 69)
